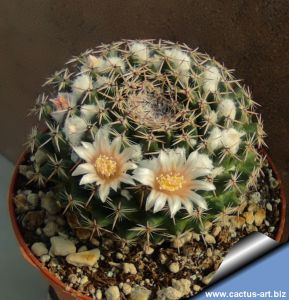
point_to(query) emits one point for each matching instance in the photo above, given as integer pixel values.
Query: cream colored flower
(181, 61)
(226, 138)
(63, 103)
(140, 51)
(173, 180)
(105, 165)
(116, 64)
(81, 84)
(211, 78)
(88, 111)
(227, 109)
(74, 129)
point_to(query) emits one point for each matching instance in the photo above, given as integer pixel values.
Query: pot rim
(29, 256)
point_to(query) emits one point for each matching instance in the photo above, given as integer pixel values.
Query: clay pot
(62, 291)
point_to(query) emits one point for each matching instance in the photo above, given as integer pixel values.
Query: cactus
(145, 141)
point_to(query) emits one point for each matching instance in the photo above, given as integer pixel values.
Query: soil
(197, 259)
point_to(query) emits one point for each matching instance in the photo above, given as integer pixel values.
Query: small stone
(48, 202)
(168, 293)
(119, 255)
(271, 229)
(255, 197)
(38, 231)
(129, 268)
(45, 258)
(207, 279)
(98, 294)
(216, 230)
(209, 252)
(84, 280)
(148, 250)
(140, 293)
(82, 248)
(182, 285)
(72, 278)
(91, 289)
(208, 225)
(84, 259)
(269, 206)
(126, 288)
(109, 274)
(238, 221)
(260, 216)
(174, 267)
(249, 216)
(267, 223)
(39, 249)
(196, 288)
(112, 293)
(61, 246)
(50, 229)
(95, 242)
(163, 258)
(210, 239)
(33, 199)
(26, 171)
(33, 219)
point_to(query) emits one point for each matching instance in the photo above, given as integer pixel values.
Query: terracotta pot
(62, 291)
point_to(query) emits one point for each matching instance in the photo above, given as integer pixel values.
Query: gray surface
(18, 280)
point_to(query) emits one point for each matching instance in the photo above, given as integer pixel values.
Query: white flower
(226, 138)
(97, 63)
(227, 109)
(74, 128)
(156, 61)
(62, 104)
(140, 52)
(116, 63)
(231, 139)
(88, 111)
(105, 165)
(81, 84)
(214, 140)
(211, 78)
(172, 179)
(181, 61)
(101, 81)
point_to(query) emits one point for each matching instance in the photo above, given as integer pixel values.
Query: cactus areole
(147, 141)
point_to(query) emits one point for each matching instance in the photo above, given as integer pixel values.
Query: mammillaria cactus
(145, 141)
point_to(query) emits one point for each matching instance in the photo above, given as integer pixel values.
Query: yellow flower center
(105, 166)
(170, 182)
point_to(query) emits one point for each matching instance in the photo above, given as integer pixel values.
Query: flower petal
(83, 169)
(144, 176)
(88, 178)
(175, 205)
(160, 203)
(126, 178)
(83, 153)
(203, 185)
(150, 201)
(199, 200)
(103, 192)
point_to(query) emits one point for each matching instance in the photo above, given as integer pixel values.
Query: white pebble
(39, 249)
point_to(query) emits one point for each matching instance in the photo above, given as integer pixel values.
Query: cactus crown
(145, 140)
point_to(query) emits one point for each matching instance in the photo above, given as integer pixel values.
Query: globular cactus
(145, 141)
